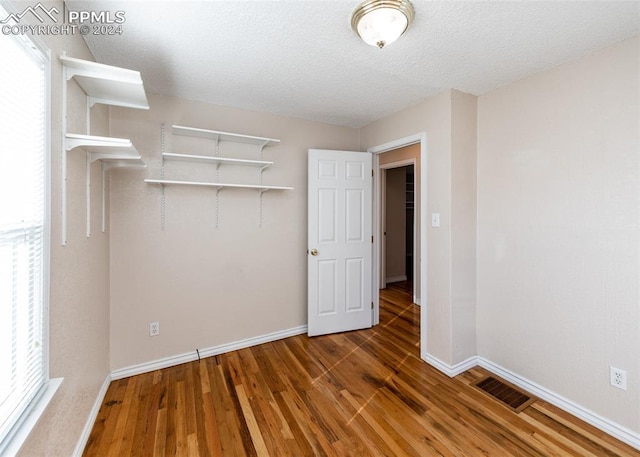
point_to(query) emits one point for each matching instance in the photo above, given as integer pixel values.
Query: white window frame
(22, 428)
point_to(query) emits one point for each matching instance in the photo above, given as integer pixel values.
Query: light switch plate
(435, 219)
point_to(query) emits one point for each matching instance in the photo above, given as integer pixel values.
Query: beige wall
(558, 210)
(209, 286)
(433, 116)
(395, 223)
(79, 297)
(464, 111)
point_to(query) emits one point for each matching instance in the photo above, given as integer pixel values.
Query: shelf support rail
(63, 191)
(260, 192)
(88, 166)
(217, 206)
(88, 195)
(217, 154)
(104, 204)
(162, 195)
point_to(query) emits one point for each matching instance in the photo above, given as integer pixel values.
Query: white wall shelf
(217, 160)
(216, 185)
(224, 136)
(101, 147)
(216, 136)
(107, 85)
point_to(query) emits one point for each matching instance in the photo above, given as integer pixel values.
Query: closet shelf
(103, 148)
(215, 185)
(217, 137)
(224, 136)
(107, 84)
(217, 160)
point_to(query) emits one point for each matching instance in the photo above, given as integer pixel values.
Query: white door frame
(383, 217)
(422, 293)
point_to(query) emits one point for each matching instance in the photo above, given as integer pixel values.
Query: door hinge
(371, 239)
(372, 172)
(371, 305)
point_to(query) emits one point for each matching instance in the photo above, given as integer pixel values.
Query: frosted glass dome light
(381, 22)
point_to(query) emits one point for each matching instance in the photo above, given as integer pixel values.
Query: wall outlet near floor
(154, 329)
(618, 378)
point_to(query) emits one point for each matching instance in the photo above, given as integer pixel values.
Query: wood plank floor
(363, 393)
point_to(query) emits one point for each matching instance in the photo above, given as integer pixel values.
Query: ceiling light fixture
(381, 22)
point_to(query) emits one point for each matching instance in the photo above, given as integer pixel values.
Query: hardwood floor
(363, 393)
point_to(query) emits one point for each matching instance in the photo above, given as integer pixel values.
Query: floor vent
(508, 395)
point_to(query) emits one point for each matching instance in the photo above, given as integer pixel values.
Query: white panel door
(339, 257)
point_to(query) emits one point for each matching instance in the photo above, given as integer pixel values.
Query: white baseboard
(396, 279)
(91, 419)
(618, 431)
(416, 300)
(624, 434)
(450, 370)
(207, 352)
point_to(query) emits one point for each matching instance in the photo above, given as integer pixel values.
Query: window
(24, 230)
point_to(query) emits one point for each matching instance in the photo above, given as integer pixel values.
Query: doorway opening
(397, 204)
(384, 154)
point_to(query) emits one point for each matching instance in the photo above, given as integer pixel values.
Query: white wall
(209, 286)
(558, 243)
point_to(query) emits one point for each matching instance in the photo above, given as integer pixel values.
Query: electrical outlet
(154, 329)
(618, 378)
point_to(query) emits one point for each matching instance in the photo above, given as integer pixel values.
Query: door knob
(314, 252)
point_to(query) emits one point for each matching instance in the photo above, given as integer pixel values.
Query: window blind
(23, 228)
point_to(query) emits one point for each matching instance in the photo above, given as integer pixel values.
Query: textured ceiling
(300, 58)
